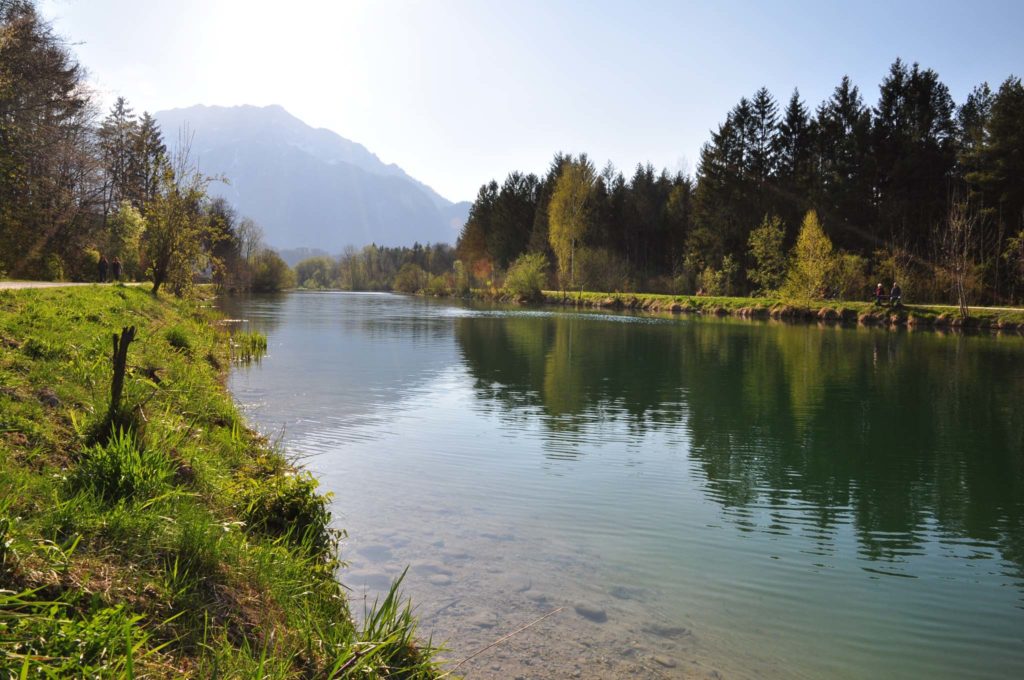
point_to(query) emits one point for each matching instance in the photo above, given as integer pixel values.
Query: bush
(439, 286)
(600, 269)
(462, 287)
(54, 268)
(271, 273)
(852, 277)
(289, 505)
(410, 278)
(719, 281)
(316, 272)
(527, 276)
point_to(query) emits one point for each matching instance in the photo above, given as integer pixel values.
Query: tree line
(431, 268)
(75, 188)
(915, 188)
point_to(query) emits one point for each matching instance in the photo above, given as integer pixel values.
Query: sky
(458, 92)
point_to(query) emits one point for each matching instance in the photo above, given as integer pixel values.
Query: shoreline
(1010, 320)
(167, 538)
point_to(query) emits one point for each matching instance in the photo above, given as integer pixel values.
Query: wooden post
(120, 366)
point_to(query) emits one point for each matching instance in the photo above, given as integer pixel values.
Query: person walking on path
(115, 269)
(103, 268)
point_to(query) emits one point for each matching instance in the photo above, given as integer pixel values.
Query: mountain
(310, 187)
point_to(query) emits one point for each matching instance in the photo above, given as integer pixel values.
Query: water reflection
(802, 501)
(794, 428)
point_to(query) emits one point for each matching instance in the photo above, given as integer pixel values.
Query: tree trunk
(120, 366)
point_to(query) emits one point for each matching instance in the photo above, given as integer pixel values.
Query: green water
(751, 499)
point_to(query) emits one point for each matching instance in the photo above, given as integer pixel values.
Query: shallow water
(700, 497)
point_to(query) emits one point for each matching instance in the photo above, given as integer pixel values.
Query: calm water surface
(704, 498)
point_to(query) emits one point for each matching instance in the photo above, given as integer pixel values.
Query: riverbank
(176, 542)
(832, 311)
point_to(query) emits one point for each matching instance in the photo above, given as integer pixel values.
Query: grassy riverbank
(866, 313)
(181, 545)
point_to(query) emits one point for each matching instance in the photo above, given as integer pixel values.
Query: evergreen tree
(50, 180)
(117, 140)
(844, 165)
(795, 167)
(914, 154)
(769, 256)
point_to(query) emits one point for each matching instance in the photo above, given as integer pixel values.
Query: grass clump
(248, 346)
(169, 540)
(119, 471)
(288, 505)
(178, 338)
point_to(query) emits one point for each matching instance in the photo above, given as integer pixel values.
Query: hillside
(310, 187)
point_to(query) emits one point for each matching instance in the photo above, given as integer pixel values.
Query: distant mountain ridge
(310, 187)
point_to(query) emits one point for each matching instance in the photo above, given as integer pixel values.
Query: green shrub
(527, 276)
(438, 286)
(120, 471)
(410, 278)
(462, 287)
(289, 506)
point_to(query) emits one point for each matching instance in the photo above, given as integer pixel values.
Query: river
(692, 497)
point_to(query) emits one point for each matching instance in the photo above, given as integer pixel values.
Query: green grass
(177, 543)
(248, 346)
(828, 310)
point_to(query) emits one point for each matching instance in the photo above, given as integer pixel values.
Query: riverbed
(680, 497)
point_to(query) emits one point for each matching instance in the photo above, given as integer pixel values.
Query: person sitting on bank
(103, 268)
(896, 295)
(879, 294)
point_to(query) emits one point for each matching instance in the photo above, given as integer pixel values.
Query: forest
(915, 189)
(76, 187)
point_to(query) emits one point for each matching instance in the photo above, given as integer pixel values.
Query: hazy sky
(460, 91)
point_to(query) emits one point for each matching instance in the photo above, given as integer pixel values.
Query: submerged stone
(591, 612)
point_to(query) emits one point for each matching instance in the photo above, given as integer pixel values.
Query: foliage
(270, 273)
(316, 272)
(769, 256)
(569, 214)
(601, 269)
(439, 285)
(461, 279)
(125, 229)
(177, 229)
(812, 267)
(527, 276)
(719, 281)
(851, 277)
(410, 278)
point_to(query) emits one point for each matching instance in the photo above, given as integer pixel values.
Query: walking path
(18, 285)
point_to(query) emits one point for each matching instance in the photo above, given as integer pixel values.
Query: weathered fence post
(120, 365)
